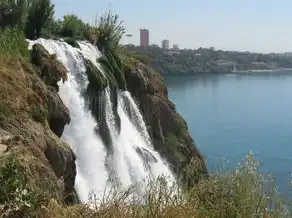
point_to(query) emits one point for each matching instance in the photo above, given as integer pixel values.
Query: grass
(12, 43)
(16, 197)
(245, 192)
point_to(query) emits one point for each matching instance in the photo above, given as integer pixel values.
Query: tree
(72, 26)
(39, 13)
(13, 12)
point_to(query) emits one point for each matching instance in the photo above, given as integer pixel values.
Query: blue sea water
(229, 115)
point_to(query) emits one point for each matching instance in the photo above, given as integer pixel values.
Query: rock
(3, 149)
(62, 160)
(52, 70)
(4, 136)
(48, 162)
(168, 130)
(58, 113)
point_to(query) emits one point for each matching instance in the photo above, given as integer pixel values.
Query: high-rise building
(144, 38)
(165, 44)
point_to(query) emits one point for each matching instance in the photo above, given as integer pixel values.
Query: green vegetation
(13, 13)
(35, 19)
(203, 60)
(110, 32)
(12, 43)
(72, 27)
(15, 195)
(72, 42)
(246, 192)
(95, 77)
(39, 114)
(4, 110)
(39, 13)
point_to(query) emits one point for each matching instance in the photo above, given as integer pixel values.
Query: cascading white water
(132, 160)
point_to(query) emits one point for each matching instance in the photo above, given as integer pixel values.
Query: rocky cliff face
(167, 128)
(32, 118)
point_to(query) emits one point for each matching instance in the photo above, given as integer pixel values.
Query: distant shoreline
(232, 73)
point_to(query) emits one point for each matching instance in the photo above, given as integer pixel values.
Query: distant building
(175, 47)
(144, 38)
(165, 44)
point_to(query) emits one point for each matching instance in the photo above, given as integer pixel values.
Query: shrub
(110, 32)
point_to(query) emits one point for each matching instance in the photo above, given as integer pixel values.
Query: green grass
(16, 197)
(12, 43)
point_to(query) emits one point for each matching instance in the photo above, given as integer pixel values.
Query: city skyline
(145, 40)
(255, 26)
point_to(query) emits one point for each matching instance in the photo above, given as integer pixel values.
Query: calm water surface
(229, 115)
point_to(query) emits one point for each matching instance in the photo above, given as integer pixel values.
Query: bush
(110, 31)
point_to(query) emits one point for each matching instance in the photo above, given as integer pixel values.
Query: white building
(165, 44)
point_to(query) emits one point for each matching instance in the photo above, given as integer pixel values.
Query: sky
(243, 25)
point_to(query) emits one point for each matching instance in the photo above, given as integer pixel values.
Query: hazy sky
(253, 25)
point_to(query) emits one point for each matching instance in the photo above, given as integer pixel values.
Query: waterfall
(131, 160)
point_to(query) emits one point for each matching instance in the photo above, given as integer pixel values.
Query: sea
(230, 115)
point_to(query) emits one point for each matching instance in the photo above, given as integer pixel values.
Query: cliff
(32, 118)
(167, 128)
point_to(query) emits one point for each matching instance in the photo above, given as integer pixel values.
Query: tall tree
(40, 12)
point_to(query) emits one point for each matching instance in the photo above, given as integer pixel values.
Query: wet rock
(52, 70)
(58, 113)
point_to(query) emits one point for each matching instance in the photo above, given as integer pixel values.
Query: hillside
(204, 60)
